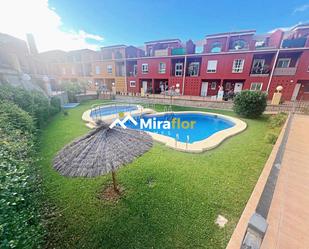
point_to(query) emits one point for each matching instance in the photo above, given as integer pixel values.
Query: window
(109, 69)
(283, 63)
(194, 68)
(216, 47)
(97, 69)
(73, 71)
(178, 69)
(162, 67)
(238, 66)
(63, 71)
(256, 86)
(212, 66)
(239, 44)
(135, 70)
(144, 68)
(132, 83)
(213, 85)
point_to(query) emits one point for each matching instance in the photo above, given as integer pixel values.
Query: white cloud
(18, 17)
(286, 28)
(281, 28)
(301, 8)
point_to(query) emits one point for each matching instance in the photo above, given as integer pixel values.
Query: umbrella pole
(114, 181)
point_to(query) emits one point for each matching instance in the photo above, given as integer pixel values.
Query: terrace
(287, 63)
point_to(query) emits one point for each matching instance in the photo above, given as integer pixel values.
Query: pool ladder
(177, 139)
(168, 108)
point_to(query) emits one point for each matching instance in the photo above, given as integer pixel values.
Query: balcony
(161, 52)
(285, 71)
(178, 51)
(294, 43)
(260, 71)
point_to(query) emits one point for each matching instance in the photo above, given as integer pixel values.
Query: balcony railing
(260, 71)
(294, 43)
(161, 52)
(285, 71)
(178, 51)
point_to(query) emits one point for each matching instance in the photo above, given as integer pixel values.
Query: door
(204, 89)
(295, 92)
(238, 87)
(144, 83)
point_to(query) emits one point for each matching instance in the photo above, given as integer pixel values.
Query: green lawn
(177, 210)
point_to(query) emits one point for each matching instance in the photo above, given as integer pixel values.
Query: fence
(297, 106)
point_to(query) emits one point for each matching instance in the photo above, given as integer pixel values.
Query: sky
(77, 24)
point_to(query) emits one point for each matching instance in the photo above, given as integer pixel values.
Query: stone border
(90, 122)
(203, 145)
(241, 228)
(195, 147)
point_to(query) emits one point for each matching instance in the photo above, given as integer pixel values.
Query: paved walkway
(288, 217)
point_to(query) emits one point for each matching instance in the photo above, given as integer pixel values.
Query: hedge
(22, 113)
(20, 192)
(33, 102)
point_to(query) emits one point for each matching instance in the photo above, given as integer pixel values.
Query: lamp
(279, 88)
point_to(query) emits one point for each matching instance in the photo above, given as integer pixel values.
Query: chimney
(31, 44)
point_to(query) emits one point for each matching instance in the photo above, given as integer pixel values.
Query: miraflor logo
(153, 123)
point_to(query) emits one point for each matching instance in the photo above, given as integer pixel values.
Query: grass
(171, 198)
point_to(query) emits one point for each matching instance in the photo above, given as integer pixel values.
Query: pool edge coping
(197, 147)
(206, 144)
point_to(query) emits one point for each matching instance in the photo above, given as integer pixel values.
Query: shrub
(55, 105)
(33, 102)
(250, 104)
(20, 225)
(72, 88)
(271, 137)
(14, 118)
(276, 121)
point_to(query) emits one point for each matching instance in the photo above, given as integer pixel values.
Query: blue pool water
(70, 105)
(109, 110)
(205, 125)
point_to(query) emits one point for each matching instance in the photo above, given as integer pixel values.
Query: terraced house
(230, 61)
(233, 61)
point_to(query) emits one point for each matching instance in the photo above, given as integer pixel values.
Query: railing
(193, 101)
(285, 71)
(301, 107)
(161, 52)
(294, 43)
(260, 71)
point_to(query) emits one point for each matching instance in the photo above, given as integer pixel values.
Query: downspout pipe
(272, 70)
(274, 66)
(184, 76)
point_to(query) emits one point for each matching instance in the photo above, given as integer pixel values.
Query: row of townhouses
(233, 61)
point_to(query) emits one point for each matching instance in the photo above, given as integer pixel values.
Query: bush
(73, 88)
(55, 105)
(33, 102)
(20, 225)
(15, 118)
(276, 121)
(271, 137)
(250, 104)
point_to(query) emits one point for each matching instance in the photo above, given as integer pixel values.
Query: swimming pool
(113, 109)
(203, 125)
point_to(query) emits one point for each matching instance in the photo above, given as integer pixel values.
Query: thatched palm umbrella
(101, 151)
